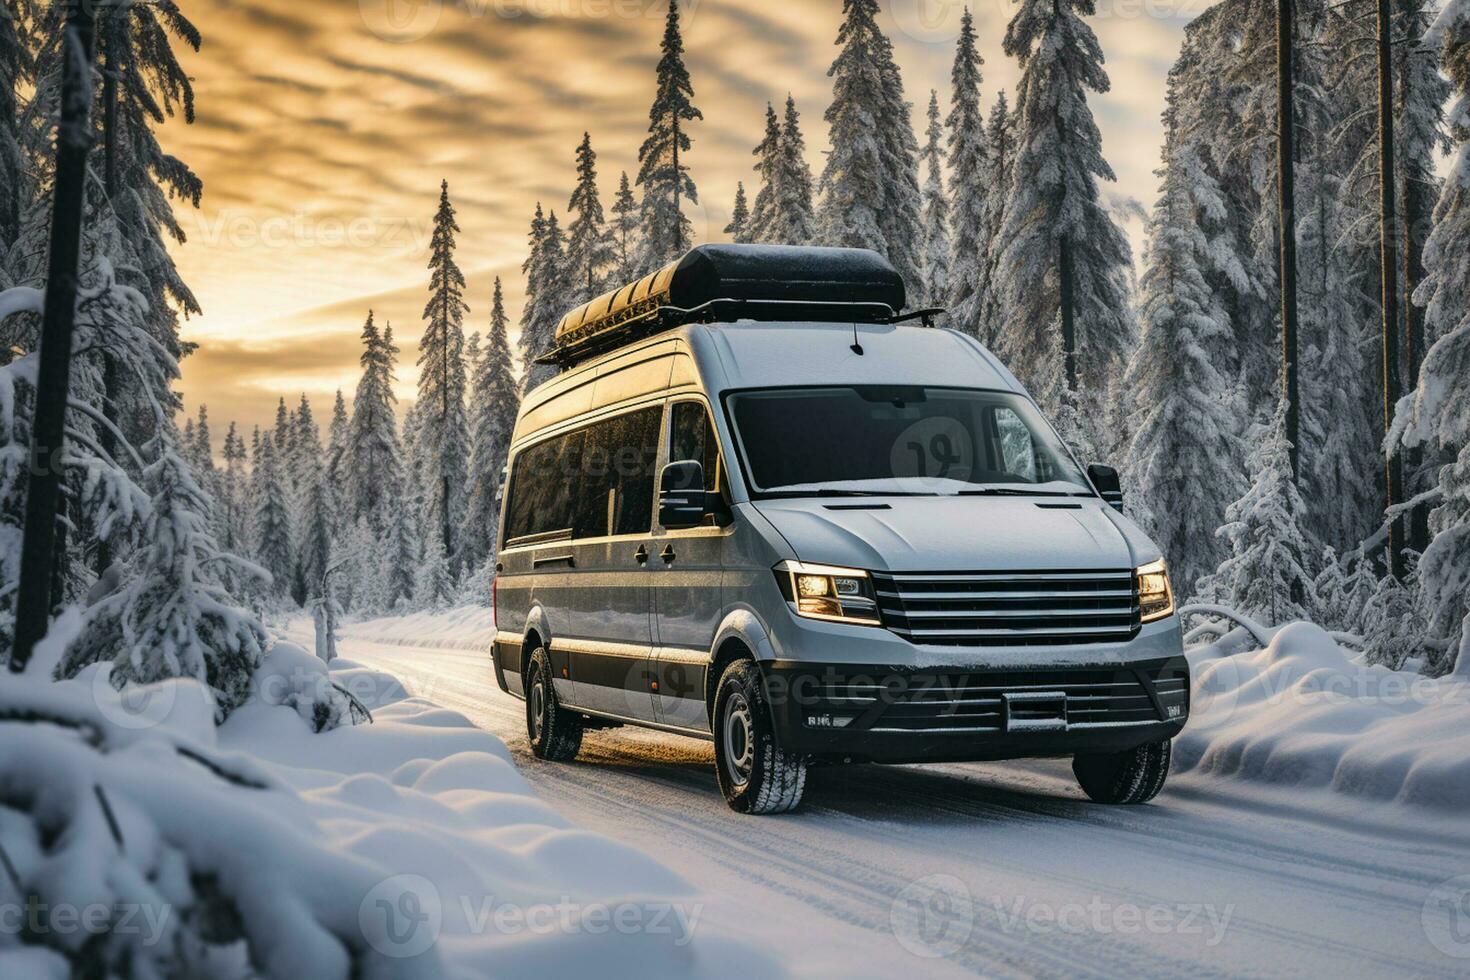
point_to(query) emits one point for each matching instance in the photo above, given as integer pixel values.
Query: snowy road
(996, 869)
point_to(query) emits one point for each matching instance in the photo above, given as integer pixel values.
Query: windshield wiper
(1018, 492)
(834, 492)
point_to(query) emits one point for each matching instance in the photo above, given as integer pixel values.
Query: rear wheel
(755, 774)
(1135, 776)
(554, 732)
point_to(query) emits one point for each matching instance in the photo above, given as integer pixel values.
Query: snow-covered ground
(1314, 825)
(407, 847)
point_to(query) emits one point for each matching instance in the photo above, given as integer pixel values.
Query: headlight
(1155, 597)
(843, 595)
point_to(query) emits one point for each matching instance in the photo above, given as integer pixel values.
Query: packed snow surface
(1304, 713)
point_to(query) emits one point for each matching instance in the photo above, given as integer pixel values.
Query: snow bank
(1305, 712)
(463, 628)
(408, 847)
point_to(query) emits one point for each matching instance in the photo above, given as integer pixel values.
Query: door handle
(668, 554)
(641, 555)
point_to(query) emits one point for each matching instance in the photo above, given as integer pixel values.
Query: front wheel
(755, 774)
(555, 733)
(1135, 776)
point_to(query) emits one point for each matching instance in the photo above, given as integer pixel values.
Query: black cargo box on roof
(728, 282)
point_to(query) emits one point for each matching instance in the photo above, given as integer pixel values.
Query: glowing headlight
(821, 592)
(1155, 597)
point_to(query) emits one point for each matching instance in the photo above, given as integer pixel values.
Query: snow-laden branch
(1261, 634)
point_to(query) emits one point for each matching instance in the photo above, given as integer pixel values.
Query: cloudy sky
(324, 129)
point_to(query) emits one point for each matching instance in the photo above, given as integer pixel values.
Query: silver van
(764, 506)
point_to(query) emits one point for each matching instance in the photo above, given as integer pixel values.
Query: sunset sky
(324, 128)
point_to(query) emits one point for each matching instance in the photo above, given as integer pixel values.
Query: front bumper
(859, 712)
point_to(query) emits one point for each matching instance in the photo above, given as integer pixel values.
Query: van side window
(634, 438)
(692, 436)
(1018, 455)
(589, 483)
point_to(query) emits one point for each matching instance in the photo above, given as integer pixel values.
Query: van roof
(764, 354)
(751, 354)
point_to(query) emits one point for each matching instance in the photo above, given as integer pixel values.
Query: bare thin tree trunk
(73, 141)
(1393, 468)
(1286, 164)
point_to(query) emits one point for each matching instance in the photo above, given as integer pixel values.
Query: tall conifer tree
(664, 177)
(443, 435)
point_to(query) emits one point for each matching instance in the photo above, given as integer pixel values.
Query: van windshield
(883, 440)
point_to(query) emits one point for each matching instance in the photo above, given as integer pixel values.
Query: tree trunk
(1393, 468)
(1067, 287)
(678, 225)
(1286, 231)
(73, 141)
(109, 156)
(1416, 230)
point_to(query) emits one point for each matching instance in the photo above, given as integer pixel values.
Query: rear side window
(595, 481)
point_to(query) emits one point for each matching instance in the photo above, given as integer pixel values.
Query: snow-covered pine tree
(739, 227)
(402, 552)
(201, 450)
(306, 445)
(667, 231)
(434, 587)
(1438, 414)
(235, 524)
(314, 556)
(936, 244)
(767, 163)
(970, 187)
(1064, 265)
(282, 435)
(1419, 100)
(999, 181)
(1185, 448)
(870, 185)
(1265, 576)
(494, 405)
(796, 218)
(339, 432)
(272, 524)
(374, 459)
(590, 247)
(445, 429)
(1336, 431)
(546, 292)
(103, 496)
(173, 618)
(303, 466)
(624, 229)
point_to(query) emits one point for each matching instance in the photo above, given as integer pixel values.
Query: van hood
(970, 534)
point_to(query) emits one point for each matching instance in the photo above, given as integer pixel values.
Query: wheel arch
(741, 636)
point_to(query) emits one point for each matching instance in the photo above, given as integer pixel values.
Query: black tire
(555, 733)
(1135, 776)
(755, 774)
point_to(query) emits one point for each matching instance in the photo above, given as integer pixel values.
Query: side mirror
(1105, 481)
(681, 496)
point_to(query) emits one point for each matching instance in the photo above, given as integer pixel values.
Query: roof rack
(712, 283)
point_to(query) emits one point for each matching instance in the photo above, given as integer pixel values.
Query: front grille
(999, 701)
(1009, 608)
